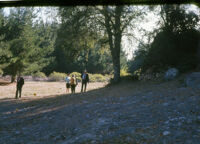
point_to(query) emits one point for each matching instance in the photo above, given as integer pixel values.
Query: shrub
(1, 72)
(77, 74)
(123, 72)
(56, 76)
(97, 78)
(108, 77)
(39, 74)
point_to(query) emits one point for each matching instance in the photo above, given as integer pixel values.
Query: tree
(72, 37)
(176, 19)
(176, 45)
(4, 47)
(27, 52)
(115, 20)
(79, 45)
(45, 38)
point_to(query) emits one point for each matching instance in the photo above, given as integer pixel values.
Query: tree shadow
(10, 105)
(30, 107)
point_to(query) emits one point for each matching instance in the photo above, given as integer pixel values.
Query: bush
(123, 72)
(92, 77)
(39, 74)
(98, 78)
(1, 72)
(77, 74)
(56, 76)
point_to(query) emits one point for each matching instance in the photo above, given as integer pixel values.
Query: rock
(86, 137)
(171, 73)
(84, 101)
(179, 124)
(193, 80)
(60, 137)
(166, 122)
(128, 139)
(93, 142)
(102, 121)
(165, 133)
(87, 116)
(188, 121)
(165, 104)
(17, 132)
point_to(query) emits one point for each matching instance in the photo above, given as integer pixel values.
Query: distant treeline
(86, 37)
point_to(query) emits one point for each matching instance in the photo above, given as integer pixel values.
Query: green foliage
(39, 74)
(77, 74)
(175, 44)
(137, 72)
(98, 78)
(138, 60)
(56, 76)
(1, 72)
(5, 53)
(79, 46)
(72, 38)
(28, 51)
(46, 35)
(177, 19)
(169, 50)
(124, 72)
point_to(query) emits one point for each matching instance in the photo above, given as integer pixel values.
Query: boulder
(193, 80)
(171, 73)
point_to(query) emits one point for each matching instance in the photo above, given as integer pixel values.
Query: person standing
(73, 83)
(85, 80)
(67, 79)
(20, 83)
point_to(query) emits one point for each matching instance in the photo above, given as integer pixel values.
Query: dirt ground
(32, 90)
(126, 113)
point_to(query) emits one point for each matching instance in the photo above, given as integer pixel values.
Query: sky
(129, 44)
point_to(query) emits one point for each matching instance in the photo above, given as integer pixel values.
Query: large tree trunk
(117, 43)
(116, 67)
(114, 39)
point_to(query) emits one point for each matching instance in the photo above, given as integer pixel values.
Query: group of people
(72, 82)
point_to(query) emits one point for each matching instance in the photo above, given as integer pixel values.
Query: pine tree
(28, 54)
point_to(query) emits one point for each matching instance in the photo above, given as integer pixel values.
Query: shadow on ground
(50, 102)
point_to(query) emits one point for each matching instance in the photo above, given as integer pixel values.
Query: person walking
(85, 80)
(67, 79)
(73, 83)
(20, 83)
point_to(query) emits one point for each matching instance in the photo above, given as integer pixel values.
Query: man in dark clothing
(20, 83)
(85, 80)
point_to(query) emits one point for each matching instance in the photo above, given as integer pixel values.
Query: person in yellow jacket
(73, 83)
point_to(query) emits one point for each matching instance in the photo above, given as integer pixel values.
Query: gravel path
(144, 113)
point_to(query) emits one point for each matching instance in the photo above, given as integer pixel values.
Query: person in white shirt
(67, 79)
